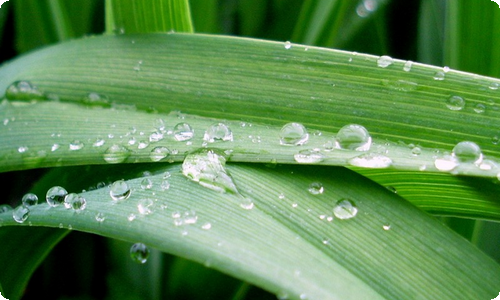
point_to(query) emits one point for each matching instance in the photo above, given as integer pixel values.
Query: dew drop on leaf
(308, 156)
(218, 132)
(439, 76)
(316, 188)
(23, 90)
(345, 209)
(145, 206)
(20, 214)
(99, 217)
(5, 208)
(468, 152)
(384, 61)
(407, 66)
(371, 160)
(353, 137)
(183, 132)
(146, 184)
(159, 153)
(119, 190)
(455, 103)
(446, 163)
(139, 253)
(288, 45)
(55, 196)
(293, 134)
(29, 199)
(75, 202)
(116, 154)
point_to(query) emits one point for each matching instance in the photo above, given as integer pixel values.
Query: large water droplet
(23, 90)
(293, 134)
(371, 160)
(116, 154)
(468, 152)
(384, 61)
(455, 103)
(316, 188)
(218, 132)
(119, 190)
(208, 169)
(183, 132)
(75, 202)
(55, 196)
(159, 153)
(308, 156)
(353, 137)
(345, 209)
(29, 199)
(20, 213)
(139, 253)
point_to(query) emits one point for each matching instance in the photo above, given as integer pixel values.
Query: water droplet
(400, 85)
(29, 199)
(455, 103)
(446, 163)
(159, 153)
(407, 66)
(371, 160)
(439, 75)
(99, 217)
(143, 144)
(5, 208)
(384, 61)
(139, 253)
(190, 217)
(345, 209)
(208, 169)
(494, 86)
(54, 147)
(155, 137)
(98, 142)
(55, 196)
(165, 185)
(468, 152)
(23, 90)
(386, 227)
(116, 154)
(145, 206)
(96, 99)
(293, 134)
(316, 188)
(488, 165)
(480, 108)
(416, 151)
(22, 149)
(76, 145)
(131, 217)
(146, 184)
(206, 226)
(288, 45)
(75, 202)
(308, 156)
(282, 295)
(119, 190)
(20, 214)
(218, 132)
(183, 132)
(247, 204)
(353, 137)
(495, 140)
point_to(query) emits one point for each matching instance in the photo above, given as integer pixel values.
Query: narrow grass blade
(153, 16)
(23, 249)
(363, 257)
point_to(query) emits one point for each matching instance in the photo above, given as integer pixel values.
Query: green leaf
(23, 249)
(131, 16)
(340, 260)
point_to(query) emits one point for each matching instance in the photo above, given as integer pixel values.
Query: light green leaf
(353, 258)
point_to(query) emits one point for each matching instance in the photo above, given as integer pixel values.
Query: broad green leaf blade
(23, 249)
(348, 259)
(152, 16)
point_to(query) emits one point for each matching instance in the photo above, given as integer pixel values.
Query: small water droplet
(494, 86)
(159, 153)
(400, 85)
(206, 226)
(22, 149)
(20, 214)
(5, 208)
(455, 103)
(353, 137)
(190, 217)
(316, 188)
(446, 163)
(345, 209)
(145, 206)
(119, 190)
(468, 152)
(293, 134)
(165, 185)
(99, 217)
(183, 132)
(495, 140)
(288, 45)
(55, 196)
(139, 253)
(116, 154)
(146, 184)
(247, 204)
(143, 144)
(54, 147)
(308, 156)
(96, 99)
(371, 160)
(384, 61)
(407, 66)
(282, 295)
(480, 108)
(98, 142)
(325, 241)
(386, 227)
(29, 199)
(155, 137)
(207, 167)
(416, 151)
(75, 202)
(218, 132)
(439, 75)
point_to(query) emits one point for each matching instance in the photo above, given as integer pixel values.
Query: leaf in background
(23, 249)
(205, 15)
(373, 255)
(154, 16)
(431, 31)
